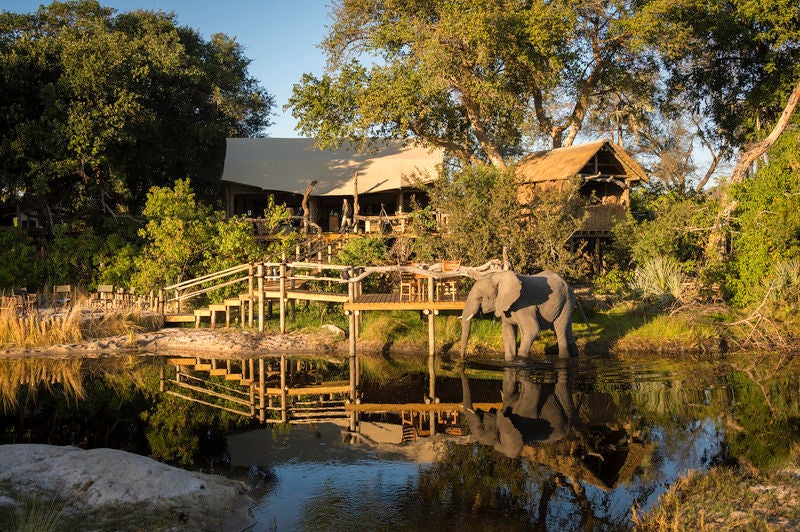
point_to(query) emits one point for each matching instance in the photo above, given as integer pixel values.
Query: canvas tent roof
(289, 165)
(565, 163)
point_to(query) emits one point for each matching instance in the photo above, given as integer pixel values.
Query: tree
(97, 107)
(483, 216)
(478, 78)
(740, 60)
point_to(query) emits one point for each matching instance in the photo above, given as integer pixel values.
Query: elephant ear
(509, 288)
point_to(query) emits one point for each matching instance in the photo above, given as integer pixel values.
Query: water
(548, 445)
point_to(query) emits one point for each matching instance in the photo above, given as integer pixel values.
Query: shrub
(659, 278)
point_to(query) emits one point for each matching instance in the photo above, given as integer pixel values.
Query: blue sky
(279, 36)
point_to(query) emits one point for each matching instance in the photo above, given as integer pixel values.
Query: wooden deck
(393, 302)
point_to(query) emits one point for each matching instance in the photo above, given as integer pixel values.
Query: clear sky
(279, 36)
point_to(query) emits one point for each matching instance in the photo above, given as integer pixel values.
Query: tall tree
(97, 107)
(737, 61)
(480, 78)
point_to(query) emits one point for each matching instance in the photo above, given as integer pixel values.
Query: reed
(73, 325)
(34, 373)
(34, 330)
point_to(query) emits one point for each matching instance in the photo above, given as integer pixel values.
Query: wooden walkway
(393, 302)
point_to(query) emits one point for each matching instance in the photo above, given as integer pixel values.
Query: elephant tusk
(468, 317)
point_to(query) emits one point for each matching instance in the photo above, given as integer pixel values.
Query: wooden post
(292, 302)
(250, 286)
(260, 275)
(352, 349)
(284, 396)
(282, 284)
(161, 298)
(262, 410)
(355, 203)
(162, 385)
(431, 328)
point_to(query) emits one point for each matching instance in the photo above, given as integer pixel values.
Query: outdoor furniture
(62, 295)
(103, 297)
(448, 288)
(409, 285)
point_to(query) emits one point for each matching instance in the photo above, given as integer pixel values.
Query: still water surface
(546, 445)
(571, 446)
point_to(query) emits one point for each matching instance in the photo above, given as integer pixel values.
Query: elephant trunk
(470, 310)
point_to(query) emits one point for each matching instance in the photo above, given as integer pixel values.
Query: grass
(675, 334)
(38, 329)
(34, 514)
(726, 499)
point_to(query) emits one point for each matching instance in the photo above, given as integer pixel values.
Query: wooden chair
(103, 297)
(62, 295)
(448, 287)
(409, 287)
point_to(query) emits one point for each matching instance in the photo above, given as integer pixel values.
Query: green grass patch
(676, 334)
(726, 499)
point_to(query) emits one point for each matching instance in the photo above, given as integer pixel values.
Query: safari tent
(385, 178)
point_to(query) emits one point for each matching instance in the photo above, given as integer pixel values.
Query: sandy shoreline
(190, 341)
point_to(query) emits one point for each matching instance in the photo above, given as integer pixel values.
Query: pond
(546, 444)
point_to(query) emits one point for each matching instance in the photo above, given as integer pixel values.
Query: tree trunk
(304, 204)
(717, 243)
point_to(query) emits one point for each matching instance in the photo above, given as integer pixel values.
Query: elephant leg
(509, 340)
(566, 340)
(529, 334)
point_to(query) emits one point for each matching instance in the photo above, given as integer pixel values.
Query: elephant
(525, 302)
(532, 412)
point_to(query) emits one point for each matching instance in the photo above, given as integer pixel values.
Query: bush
(767, 222)
(659, 278)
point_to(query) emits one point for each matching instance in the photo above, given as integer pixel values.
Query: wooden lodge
(378, 185)
(606, 174)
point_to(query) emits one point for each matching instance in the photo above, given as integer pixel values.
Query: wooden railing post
(250, 286)
(282, 284)
(161, 303)
(260, 275)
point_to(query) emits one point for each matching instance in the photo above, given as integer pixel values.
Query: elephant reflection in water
(531, 412)
(540, 422)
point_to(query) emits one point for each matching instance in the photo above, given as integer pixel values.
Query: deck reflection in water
(549, 444)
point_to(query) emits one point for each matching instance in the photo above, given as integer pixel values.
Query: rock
(333, 328)
(102, 478)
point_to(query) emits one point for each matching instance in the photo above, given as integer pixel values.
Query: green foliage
(71, 253)
(184, 238)
(368, 251)
(675, 227)
(612, 283)
(483, 215)
(477, 77)
(20, 260)
(178, 234)
(767, 222)
(734, 61)
(98, 107)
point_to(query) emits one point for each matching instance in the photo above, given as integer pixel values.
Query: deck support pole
(353, 366)
(282, 283)
(250, 287)
(262, 411)
(284, 396)
(260, 275)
